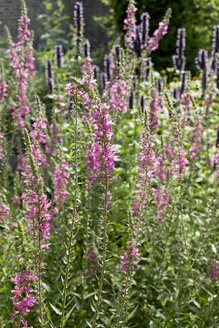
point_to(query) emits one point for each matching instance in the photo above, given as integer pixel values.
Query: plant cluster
(109, 183)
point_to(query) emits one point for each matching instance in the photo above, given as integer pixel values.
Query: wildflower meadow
(109, 181)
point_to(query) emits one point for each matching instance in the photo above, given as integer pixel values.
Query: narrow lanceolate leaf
(55, 309)
(70, 312)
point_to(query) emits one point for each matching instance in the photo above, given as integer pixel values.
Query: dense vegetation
(109, 180)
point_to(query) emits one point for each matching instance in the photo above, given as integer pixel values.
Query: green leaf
(196, 303)
(89, 295)
(132, 313)
(70, 312)
(213, 249)
(57, 311)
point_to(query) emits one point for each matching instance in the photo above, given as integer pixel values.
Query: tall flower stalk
(129, 262)
(178, 161)
(50, 76)
(215, 49)
(179, 59)
(100, 159)
(202, 64)
(129, 23)
(38, 217)
(79, 27)
(61, 195)
(59, 55)
(22, 61)
(153, 42)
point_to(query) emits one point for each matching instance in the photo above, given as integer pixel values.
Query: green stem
(39, 280)
(99, 295)
(65, 286)
(123, 310)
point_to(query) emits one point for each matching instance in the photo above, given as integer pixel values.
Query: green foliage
(52, 22)
(171, 285)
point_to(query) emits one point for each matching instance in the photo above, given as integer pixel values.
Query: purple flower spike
(179, 59)
(215, 49)
(107, 61)
(146, 67)
(59, 55)
(142, 103)
(50, 76)
(87, 49)
(103, 80)
(79, 25)
(202, 64)
(144, 30)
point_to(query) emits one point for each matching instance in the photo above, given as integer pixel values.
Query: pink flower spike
(130, 257)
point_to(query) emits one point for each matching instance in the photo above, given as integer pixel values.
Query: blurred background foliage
(197, 16)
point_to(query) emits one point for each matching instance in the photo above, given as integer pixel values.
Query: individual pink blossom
(22, 300)
(130, 257)
(61, 176)
(46, 245)
(25, 324)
